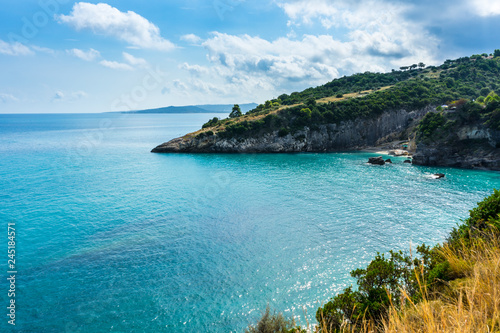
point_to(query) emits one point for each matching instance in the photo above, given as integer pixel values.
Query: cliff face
(332, 137)
(471, 147)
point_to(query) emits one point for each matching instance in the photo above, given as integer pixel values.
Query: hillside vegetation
(452, 287)
(369, 95)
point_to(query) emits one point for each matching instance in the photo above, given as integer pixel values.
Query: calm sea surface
(113, 238)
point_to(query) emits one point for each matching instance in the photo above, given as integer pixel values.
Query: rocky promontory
(348, 135)
(446, 115)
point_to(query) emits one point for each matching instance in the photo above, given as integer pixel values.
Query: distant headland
(205, 108)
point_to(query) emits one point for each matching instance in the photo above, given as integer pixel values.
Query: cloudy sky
(64, 56)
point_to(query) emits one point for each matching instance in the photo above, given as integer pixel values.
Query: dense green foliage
(461, 79)
(380, 284)
(442, 126)
(348, 84)
(273, 323)
(430, 123)
(212, 122)
(485, 215)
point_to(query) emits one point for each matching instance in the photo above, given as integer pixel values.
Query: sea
(109, 237)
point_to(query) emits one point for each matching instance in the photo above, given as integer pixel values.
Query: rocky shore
(470, 147)
(468, 155)
(348, 135)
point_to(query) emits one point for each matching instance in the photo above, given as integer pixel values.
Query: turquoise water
(113, 238)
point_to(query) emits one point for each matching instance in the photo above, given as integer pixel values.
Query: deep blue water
(113, 238)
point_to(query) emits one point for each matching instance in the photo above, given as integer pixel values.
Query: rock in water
(439, 175)
(376, 160)
(407, 161)
(388, 160)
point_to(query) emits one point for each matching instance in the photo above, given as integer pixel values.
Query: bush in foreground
(273, 323)
(453, 287)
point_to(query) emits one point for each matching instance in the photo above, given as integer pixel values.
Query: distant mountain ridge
(205, 108)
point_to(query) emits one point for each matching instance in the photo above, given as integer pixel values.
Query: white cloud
(89, 55)
(130, 63)
(251, 68)
(181, 86)
(281, 59)
(194, 69)
(5, 98)
(77, 95)
(309, 11)
(116, 65)
(377, 36)
(60, 96)
(376, 28)
(258, 68)
(126, 26)
(14, 49)
(191, 38)
(42, 49)
(137, 62)
(486, 7)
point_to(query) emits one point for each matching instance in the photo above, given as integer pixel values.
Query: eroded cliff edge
(347, 135)
(470, 147)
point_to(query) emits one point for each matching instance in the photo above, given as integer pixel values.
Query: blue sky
(64, 56)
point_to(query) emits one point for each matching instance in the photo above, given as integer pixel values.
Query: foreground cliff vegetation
(452, 287)
(368, 95)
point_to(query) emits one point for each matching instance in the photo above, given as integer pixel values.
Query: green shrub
(283, 132)
(272, 323)
(485, 215)
(431, 122)
(212, 122)
(379, 286)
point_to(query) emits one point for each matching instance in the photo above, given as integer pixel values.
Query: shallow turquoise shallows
(113, 238)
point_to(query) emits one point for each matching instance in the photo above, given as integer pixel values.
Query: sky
(61, 56)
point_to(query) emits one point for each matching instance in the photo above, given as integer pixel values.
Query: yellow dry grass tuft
(470, 305)
(351, 95)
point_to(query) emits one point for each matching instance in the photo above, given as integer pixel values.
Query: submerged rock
(388, 160)
(376, 160)
(407, 161)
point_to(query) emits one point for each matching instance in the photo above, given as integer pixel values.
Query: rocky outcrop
(331, 137)
(376, 160)
(473, 147)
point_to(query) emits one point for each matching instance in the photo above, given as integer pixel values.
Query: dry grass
(247, 117)
(347, 96)
(433, 75)
(471, 304)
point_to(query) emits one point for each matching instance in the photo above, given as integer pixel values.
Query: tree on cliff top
(236, 112)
